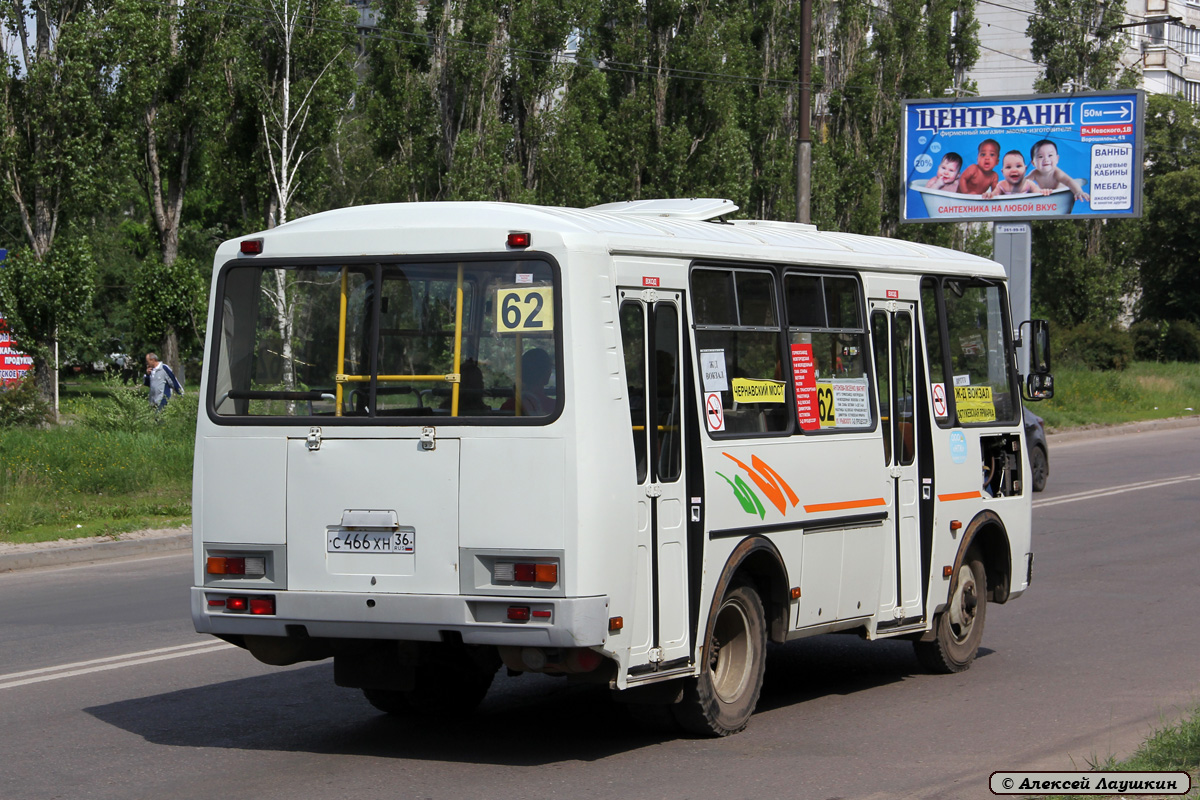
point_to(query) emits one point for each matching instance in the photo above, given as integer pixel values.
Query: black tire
(1039, 468)
(958, 630)
(722, 699)
(451, 684)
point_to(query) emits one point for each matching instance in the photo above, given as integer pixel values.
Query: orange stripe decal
(818, 507)
(945, 498)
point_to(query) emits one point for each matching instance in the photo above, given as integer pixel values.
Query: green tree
(1082, 269)
(880, 54)
(1169, 253)
(44, 299)
(171, 88)
(54, 159)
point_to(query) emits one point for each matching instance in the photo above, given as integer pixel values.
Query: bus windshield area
(471, 339)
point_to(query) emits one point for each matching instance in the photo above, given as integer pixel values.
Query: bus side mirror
(1039, 383)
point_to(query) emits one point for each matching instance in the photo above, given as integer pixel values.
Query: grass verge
(115, 467)
(1145, 390)
(1172, 748)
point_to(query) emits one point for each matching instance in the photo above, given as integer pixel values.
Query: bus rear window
(387, 340)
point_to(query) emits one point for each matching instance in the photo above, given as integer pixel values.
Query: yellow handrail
(341, 341)
(453, 378)
(458, 305)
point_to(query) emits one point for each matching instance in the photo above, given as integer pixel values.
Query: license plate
(403, 540)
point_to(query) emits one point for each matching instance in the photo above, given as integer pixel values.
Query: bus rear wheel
(722, 699)
(959, 629)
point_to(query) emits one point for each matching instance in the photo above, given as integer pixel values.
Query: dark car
(1039, 458)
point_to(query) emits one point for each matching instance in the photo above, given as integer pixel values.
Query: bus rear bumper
(550, 622)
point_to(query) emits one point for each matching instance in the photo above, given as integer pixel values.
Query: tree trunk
(169, 354)
(44, 372)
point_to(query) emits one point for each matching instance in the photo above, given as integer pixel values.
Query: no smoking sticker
(939, 400)
(714, 414)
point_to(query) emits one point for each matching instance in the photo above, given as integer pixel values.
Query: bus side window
(633, 341)
(827, 337)
(736, 323)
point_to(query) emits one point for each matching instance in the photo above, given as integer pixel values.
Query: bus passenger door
(892, 336)
(652, 336)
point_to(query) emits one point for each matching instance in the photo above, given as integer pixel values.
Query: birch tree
(302, 79)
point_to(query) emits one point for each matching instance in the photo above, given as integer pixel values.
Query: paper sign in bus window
(804, 378)
(844, 403)
(749, 390)
(974, 403)
(712, 367)
(852, 404)
(525, 310)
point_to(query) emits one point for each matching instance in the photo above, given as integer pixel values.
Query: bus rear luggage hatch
(373, 515)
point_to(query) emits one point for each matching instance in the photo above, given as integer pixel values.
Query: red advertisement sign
(804, 377)
(13, 363)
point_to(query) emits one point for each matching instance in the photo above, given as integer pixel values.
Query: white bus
(628, 444)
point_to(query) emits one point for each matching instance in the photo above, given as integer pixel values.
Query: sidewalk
(82, 551)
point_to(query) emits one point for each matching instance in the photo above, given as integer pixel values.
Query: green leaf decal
(746, 496)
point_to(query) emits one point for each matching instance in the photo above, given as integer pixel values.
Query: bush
(124, 409)
(22, 405)
(1094, 348)
(1156, 340)
(1182, 342)
(1148, 335)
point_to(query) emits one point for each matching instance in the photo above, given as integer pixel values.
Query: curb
(86, 552)
(1104, 431)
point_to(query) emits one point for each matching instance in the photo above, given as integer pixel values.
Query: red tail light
(262, 605)
(518, 613)
(237, 603)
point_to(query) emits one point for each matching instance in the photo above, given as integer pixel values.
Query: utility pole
(804, 140)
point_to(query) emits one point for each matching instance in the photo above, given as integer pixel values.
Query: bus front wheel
(720, 701)
(959, 629)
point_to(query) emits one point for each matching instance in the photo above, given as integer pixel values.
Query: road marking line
(15, 679)
(1128, 487)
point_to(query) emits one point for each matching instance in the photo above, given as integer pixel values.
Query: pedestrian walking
(161, 380)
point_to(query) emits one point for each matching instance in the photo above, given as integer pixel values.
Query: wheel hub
(964, 604)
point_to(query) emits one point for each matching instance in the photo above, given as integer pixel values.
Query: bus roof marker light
(252, 247)
(514, 240)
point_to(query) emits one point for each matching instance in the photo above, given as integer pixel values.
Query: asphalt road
(105, 691)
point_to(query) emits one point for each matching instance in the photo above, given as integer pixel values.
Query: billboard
(13, 363)
(1032, 157)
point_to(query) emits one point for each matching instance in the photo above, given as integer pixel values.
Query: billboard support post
(1012, 246)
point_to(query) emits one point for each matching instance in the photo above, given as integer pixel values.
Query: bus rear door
(892, 334)
(651, 331)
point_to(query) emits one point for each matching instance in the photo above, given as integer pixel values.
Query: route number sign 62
(525, 310)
